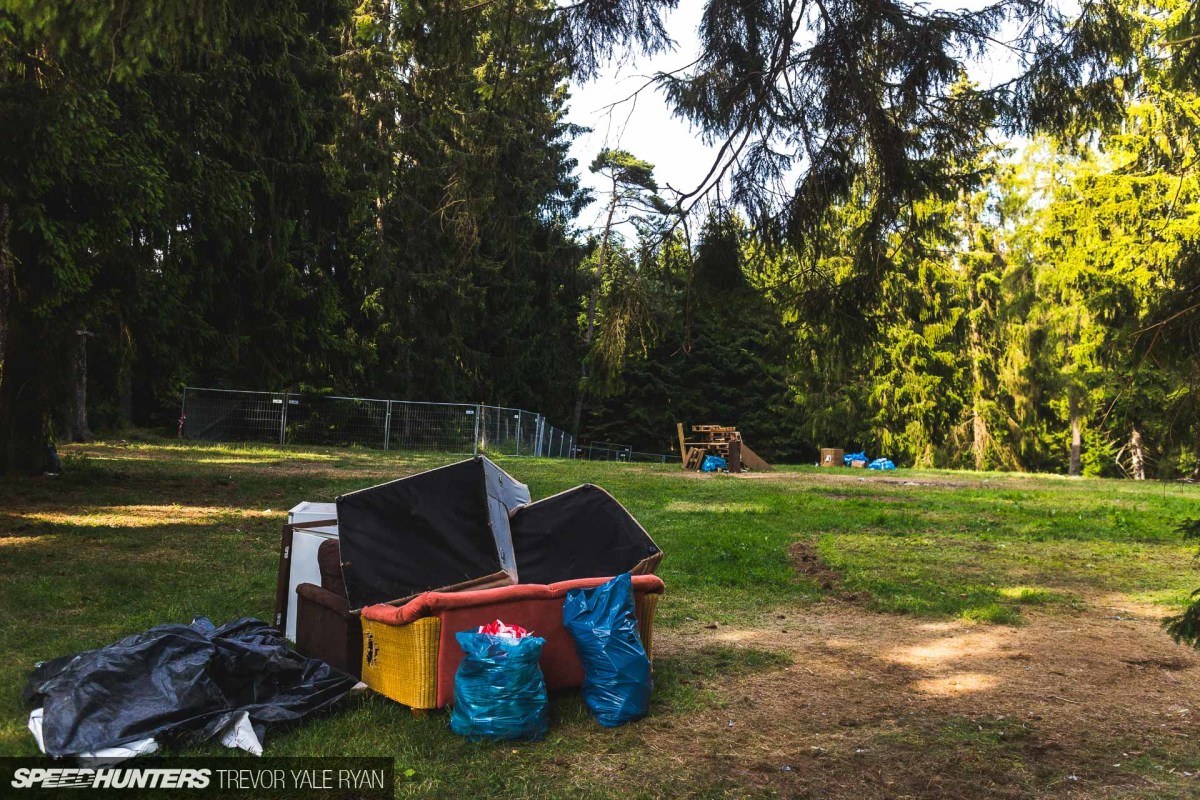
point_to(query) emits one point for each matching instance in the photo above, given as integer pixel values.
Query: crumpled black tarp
(174, 680)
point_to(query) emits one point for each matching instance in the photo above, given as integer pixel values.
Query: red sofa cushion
(535, 607)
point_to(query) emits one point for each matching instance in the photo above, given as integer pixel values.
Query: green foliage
(719, 355)
(1185, 626)
(376, 197)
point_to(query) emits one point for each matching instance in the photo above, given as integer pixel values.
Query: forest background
(377, 198)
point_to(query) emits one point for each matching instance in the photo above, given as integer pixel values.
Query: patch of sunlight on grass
(946, 649)
(232, 460)
(688, 507)
(1173, 599)
(1029, 595)
(994, 613)
(141, 516)
(21, 541)
(959, 683)
(192, 450)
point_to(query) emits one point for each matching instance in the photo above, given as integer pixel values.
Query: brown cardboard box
(832, 457)
(859, 463)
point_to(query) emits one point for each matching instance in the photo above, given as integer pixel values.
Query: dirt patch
(874, 498)
(875, 705)
(1169, 664)
(858, 477)
(808, 563)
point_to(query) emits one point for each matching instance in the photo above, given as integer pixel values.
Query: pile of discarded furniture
(717, 447)
(379, 583)
(450, 582)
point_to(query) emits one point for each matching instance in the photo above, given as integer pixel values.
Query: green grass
(141, 533)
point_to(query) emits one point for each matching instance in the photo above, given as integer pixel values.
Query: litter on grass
(499, 689)
(176, 682)
(616, 683)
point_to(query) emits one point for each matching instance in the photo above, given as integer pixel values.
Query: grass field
(826, 633)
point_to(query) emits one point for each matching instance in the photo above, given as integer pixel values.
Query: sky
(646, 127)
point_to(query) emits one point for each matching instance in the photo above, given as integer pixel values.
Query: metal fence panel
(336, 421)
(229, 416)
(224, 415)
(433, 426)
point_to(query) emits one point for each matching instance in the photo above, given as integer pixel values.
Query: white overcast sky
(647, 128)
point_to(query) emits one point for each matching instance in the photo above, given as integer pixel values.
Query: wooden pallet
(717, 440)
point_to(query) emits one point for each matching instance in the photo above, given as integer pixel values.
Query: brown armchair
(325, 628)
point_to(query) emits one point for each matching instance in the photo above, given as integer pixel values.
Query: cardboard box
(858, 463)
(832, 457)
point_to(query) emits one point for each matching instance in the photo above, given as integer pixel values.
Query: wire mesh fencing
(607, 451)
(229, 415)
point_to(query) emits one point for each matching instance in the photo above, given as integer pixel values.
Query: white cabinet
(302, 558)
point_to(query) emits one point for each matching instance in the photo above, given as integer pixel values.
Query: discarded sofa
(456, 529)
(410, 653)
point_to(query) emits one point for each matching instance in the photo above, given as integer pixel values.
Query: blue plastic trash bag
(881, 463)
(713, 463)
(499, 690)
(616, 670)
(850, 458)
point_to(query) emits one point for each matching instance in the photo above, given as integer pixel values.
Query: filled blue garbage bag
(850, 458)
(499, 690)
(616, 669)
(713, 463)
(881, 463)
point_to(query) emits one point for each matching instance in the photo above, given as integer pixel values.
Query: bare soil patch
(874, 498)
(808, 563)
(883, 706)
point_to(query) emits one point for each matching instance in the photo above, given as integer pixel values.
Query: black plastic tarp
(432, 530)
(580, 533)
(176, 680)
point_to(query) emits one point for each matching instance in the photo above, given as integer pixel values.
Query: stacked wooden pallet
(717, 440)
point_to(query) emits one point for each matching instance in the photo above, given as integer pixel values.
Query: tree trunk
(593, 304)
(75, 420)
(979, 436)
(1075, 469)
(1137, 456)
(979, 432)
(125, 379)
(5, 282)
(24, 440)
(384, 175)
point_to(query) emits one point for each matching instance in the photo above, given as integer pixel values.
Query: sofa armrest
(326, 629)
(323, 597)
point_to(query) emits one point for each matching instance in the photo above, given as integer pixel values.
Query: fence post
(387, 425)
(283, 420)
(518, 415)
(478, 414)
(182, 413)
